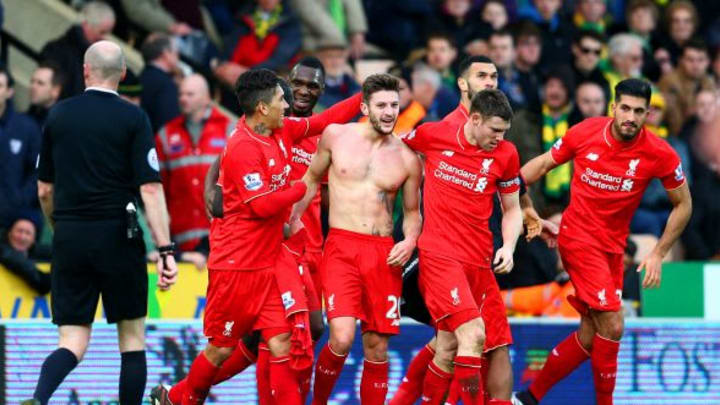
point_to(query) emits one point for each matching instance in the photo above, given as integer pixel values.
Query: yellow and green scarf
(264, 22)
(557, 181)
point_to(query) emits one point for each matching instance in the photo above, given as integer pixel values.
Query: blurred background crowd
(558, 62)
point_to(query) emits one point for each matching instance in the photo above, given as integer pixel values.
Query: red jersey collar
(463, 142)
(463, 110)
(242, 126)
(615, 144)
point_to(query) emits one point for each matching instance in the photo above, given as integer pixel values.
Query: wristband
(167, 249)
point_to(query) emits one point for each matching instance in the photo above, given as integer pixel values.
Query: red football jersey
(302, 153)
(609, 180)
(460, 181)
(458, 116)
(252, 166)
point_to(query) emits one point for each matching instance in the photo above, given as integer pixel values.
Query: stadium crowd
(558, 63)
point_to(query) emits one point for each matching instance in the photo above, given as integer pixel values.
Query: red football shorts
(239, 302)
(303, 277)
(597, 275)
(457, 292)
(357, 281)
(312, 261)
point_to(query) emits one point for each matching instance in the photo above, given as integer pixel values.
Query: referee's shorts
(91, 258)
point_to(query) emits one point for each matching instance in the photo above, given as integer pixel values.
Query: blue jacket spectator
(159, 96)
(19, 149)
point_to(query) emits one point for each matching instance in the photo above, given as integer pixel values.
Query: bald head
(194, 96)
(104, 63)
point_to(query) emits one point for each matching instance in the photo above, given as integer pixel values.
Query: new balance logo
(592, 156)
(555, 352)
(448, 153)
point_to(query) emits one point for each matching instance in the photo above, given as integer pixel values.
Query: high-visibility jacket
(183, 166)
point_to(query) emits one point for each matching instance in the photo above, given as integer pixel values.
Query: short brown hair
(379, 82)
(638, 4)
(491, 103)
(678, 4)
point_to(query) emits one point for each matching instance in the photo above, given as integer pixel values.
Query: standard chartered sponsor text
(301, 156)
(455, 175)
(602, 181)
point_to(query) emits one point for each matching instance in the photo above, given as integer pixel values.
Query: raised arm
(412, 220)
(340, 113)
(679, 217)
(314, 175)
(533, 170)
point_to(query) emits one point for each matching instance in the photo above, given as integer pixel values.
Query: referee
(97, 152)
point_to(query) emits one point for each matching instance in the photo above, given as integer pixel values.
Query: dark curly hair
(254, 86)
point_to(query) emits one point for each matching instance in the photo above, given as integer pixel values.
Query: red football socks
(199, 379)
(374, 383)
(411, 387)
(284, 382)
(467, 372)
(454, 393)
(563, 359)
(241, 359)
(262, 375)
(604, 367)
(328, 368)
(436, 384)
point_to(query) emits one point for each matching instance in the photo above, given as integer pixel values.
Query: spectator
(461, 21)
(441, 54)
(159, 96)
(98, 20)
(330, 20)
(642, 20)
(495, 13)
(590, 101)
(187, 146)
(655, 206)
(130, 88)
(587, 49)
(268, 36)
(46, 84)
(502, 53)
(556, 32)
(19, 148)
(15, 247)
(701, 238)
(534, 133)
(715, 68)
(153, 17)
(529, 50)
(397, 26)
(427, 89)
(680, 86)
(591, 15)
(340, 82)
(682, 22)
(626, 59)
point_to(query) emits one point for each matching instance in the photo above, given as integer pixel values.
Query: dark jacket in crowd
(22, 266)
(399, 25)
(68, 51)
(19, 149)
(159, 96)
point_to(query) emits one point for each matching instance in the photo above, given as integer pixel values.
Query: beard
(626, 134)
(377, 126)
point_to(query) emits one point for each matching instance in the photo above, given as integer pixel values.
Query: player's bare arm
(679, 217)
(412, 220)
(511, 229)
(533, 170)
(213, 193)
(314, 175)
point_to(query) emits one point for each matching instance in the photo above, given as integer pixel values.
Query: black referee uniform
(97, 150)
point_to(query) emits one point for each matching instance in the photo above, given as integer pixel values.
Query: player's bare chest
(382, 167)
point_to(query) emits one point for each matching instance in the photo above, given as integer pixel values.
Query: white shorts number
(394, 311)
